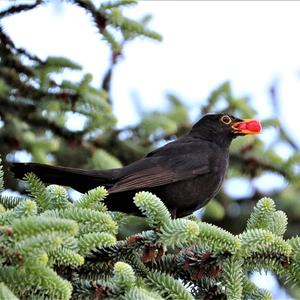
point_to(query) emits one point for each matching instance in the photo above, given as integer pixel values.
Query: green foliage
(253, 292)
(218, 239)
(92, 199)
(179, 232)
(35, 279)
(266, 217)
(1, 178)
(164, 124)
(38, 191)
(41, 242)
(156, 213)
(91, 241)
(214, 210)
(58, 196)
(6, 293)
(10, 201)
(68, 252)
(36, 106)
(262, 213)
(136, 293)
(57, 64)
(168, 287)
(233, 278)
(89, 219)
(101, 159)
(65, 257)
(124, 277)
(257, 240)
(25, 208)
(35, 241)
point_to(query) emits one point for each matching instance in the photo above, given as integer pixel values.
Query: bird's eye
(226, 120)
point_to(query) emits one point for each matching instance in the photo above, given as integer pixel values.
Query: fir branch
(43, 123)
(117, 3)
(137, 293)
(168, 287)
(252, 165)
(11, 60)
(12, 78)
(6, 293)
(17, 106)
(198, 264)
(263, 211)
(93, 198)
(2, 209)
(124, 277)
(96, 289)
(88, 219)
(1, 177)
(130, 26)
(155, 211)
(8, 43)
(115, 46)
(58, 197)
(65, 258)
(260, 241)
(18, 8)
(90, 241)
(98, 15)
(42, 242)
(217, 239)
(278, 223)
(38, 191)
(6, 217)
(10, 201)
(251, 291)
(25, 208)
(58, 64)
(179, 233)
(265, 217)
(36, 225)
(36, 279)
(233, 278)
(168, 264)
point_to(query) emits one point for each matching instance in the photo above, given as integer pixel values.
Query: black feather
(185, 173)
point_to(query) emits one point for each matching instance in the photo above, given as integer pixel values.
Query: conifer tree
(52, 248)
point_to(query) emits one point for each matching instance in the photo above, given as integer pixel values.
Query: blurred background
(100, 91)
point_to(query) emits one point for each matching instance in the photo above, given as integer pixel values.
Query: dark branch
(18, 8)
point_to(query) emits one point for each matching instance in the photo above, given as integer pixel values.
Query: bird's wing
(157, 171)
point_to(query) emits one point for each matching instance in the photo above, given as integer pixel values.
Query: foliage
(54, 248)
(68, 252)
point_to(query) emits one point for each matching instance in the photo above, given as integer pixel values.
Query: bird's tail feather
(79, 179)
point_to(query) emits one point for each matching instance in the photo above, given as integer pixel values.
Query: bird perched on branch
(185, 173)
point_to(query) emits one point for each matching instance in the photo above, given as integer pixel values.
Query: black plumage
(185, 173)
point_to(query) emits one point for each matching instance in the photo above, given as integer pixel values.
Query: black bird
(185, 173)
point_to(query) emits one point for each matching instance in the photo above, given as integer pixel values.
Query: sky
(250, 43)
(204, 43)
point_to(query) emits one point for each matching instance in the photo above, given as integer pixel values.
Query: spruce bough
(72, 251)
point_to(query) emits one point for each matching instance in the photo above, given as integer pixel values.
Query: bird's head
(222, 128)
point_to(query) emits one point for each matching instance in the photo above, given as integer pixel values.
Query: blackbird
(185, 173)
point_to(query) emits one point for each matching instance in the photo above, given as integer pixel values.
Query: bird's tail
(79, 179)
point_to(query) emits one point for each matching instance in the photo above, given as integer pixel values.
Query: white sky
(205, 43)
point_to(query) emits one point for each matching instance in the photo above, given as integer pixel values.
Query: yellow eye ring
(226, 120)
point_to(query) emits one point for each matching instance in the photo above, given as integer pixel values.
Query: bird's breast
(192, 194)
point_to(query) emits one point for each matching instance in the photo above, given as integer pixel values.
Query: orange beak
(247, 126)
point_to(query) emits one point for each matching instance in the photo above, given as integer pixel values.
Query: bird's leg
(173, 213)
